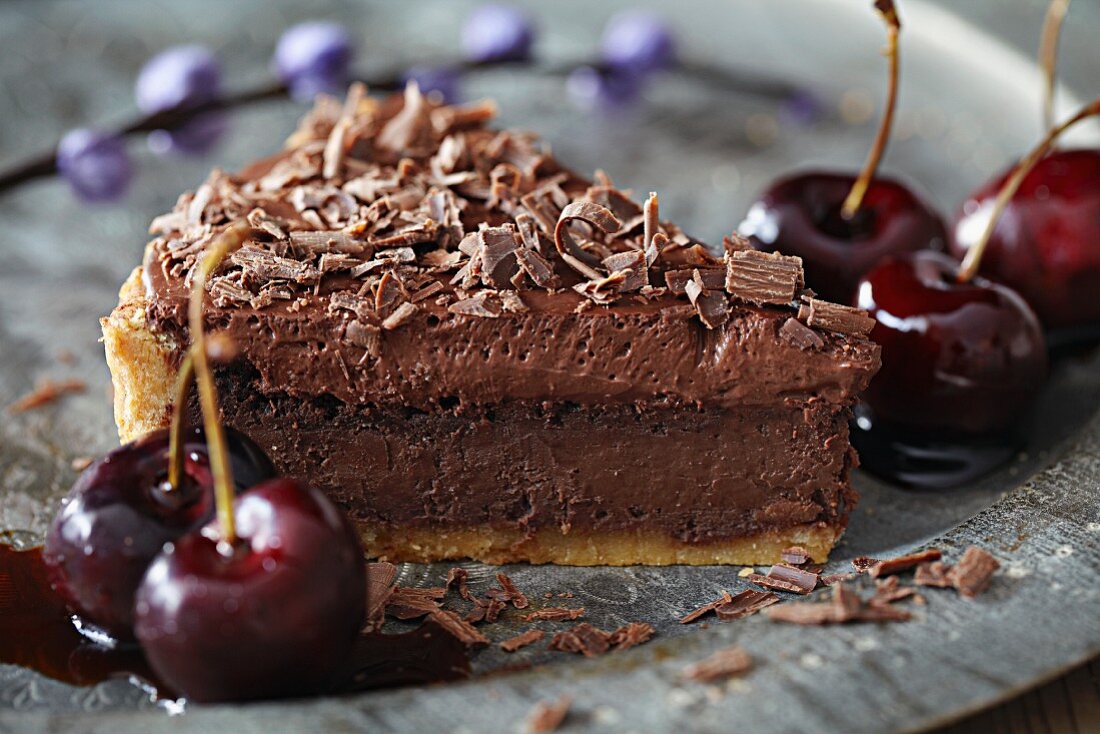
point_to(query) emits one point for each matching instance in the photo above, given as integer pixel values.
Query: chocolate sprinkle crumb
(932, 574)
(554, 614)
(46, 392)
(584, 639)
(971, 575)
(547, 716)
(724, 663)
(631, 634)
(524, 639)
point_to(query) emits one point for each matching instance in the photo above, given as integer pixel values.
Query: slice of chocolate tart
(480, 354)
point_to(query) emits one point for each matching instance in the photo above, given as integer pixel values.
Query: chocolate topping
(761, 277)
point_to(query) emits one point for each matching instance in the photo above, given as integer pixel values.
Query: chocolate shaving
(836, 578)
(46, 392)
(795, 333)
(933, 574)
(264, 265)
(367, 336)
(633, 262)
(497, 250)
(584, 639)
(677, 280)
(480, 305)
(744, 604)
(706, 608)
(547, 716)
(459, 628)
(380, 578)
(400, 316)
(888, 590)
(972, 574)
(722, 664)
(554, 614)
(326, 241)
(763, 278)
(537, 268)
(833, 317)
(903, 563)
(845, 606)
(410, 603)
(786, 578)
(514, 595)
(863, 563)
(630, 635)
(795, 555)
(735, 243)
(590, 213)
(456, 579)
(712, 306)
(522, 640)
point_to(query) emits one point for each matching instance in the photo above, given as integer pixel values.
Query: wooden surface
(1068, 705)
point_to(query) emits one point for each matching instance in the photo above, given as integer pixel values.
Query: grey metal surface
(707, 151)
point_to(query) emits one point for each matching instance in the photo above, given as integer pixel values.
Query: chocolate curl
(574, 256)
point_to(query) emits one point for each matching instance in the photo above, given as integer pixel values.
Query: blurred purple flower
(442, 80)
(637, 41)
(96, 165)
(312, 58)
(608, 90)
(803, 107)
(498, 33)
(182, 77)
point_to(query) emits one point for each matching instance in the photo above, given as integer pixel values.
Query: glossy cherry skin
(118, 516)
(273, 617)
(800, 215)
(957, 359)
(1046, 244)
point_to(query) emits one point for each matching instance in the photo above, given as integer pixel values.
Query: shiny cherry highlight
(119, 515)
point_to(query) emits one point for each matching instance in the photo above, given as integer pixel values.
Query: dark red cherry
(800, 215)
(1046, 244)
(957, 359)
(272, 616)
(121, 512)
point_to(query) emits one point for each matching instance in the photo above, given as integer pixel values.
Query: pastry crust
(549, 545)
(142, 363)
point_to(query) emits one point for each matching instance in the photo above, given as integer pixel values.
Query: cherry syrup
(37, 632)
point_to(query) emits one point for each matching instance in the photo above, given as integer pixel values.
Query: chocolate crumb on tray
(547, 716)
(46, 392)
(722, 664)
(554, 614)
(521, 640)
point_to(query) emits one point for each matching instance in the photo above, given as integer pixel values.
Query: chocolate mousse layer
(481, 354)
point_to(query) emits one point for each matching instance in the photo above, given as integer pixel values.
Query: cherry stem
(225, 243)
(973, 259)
(175, 430)
(852, 203)
(1048, 54)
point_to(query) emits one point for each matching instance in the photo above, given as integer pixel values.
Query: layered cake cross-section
(480, 354)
